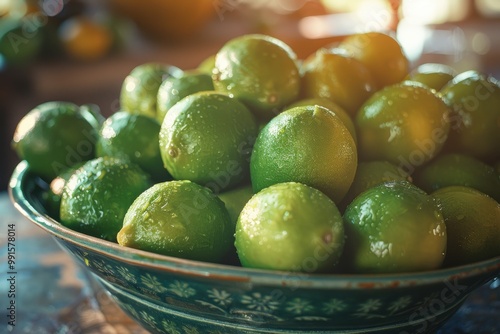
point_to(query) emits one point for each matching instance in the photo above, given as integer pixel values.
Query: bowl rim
(22, 178)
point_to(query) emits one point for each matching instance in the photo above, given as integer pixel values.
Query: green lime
(432, 75)
(178, 218)
(458, 170)
(21, 40)
(290, 226)
(333, 107)
(95, 111)
(472, 224)
(207, 138)
(405, 124)
(54, 136)
(133, 137)
(140, 88)
(475, 121)
(53, 195)
(394, 227)
(333, 75)
(261, 71)
(235, 199)
(372, 173)
(98, 194)
(207, 65)
(173, 89)
(307, 144)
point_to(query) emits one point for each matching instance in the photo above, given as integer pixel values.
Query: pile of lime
(346, 161)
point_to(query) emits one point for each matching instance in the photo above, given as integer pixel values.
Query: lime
(95, 111)
(207, 138)
(307, 144)
(54, 136)
(261, 71)
(98, 194)
(432, 75)
(235, 199)
(207, 65)
(394, 227)
(472, 224)
(405, 124)
(475, 121)
(172, 90)
(15, 49)
(133, 137)
(178, 218)
(372, 173)
(458, 170)
(140, 88)
(333, 75)
(290, 226)
(333, 107)
(53, 195)
(380, 53)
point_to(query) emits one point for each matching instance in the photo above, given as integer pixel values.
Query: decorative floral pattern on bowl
(171, 295)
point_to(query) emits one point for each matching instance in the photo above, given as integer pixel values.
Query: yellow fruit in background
(85, 39)
(168, 19)
(333, 75)
(381, 54)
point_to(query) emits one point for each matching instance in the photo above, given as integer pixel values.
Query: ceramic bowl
(171, 295)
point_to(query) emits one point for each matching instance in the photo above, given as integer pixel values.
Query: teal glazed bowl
(171, 295)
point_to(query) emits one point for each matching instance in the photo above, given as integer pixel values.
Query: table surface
(53, 294)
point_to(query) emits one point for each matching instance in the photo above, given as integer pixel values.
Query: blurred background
(81, 50)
